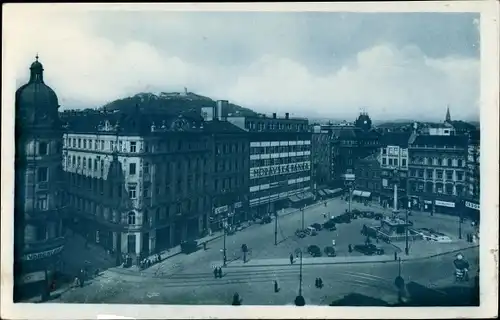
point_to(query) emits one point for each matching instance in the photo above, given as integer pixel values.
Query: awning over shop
(294, 198)
(357, 193)
(307, 195)
(366, 194)
(336, 190)
(322, 193)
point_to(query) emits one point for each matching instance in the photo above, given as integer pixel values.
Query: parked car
(369, 214)
(378, 216)
(330, 225)
(314, 251)
(369, 249)
(266, 219)
(300, 233)
(189, 246)
(330, 251)
(311, 231)
(317, 226)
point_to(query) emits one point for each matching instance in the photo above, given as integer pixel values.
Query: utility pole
(300, 275)
(460, 223)
(276, 228)
(350, 196)
(407, 249)
(302, 210)
(224, 256)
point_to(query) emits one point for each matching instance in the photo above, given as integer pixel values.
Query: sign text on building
(445, 204)
(44, 254)
(472, 205)
(279, 169)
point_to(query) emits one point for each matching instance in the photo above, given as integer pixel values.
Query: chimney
(274, 115)
(287, 115)
(221, 105)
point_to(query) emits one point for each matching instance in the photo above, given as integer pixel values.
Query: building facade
(38, 204)
(280, 162)
(437, 172)
(472, 201)
(164, 190)
(394, 166)
(368, 179)
(321, 157)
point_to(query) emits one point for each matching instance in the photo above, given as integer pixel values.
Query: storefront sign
(33, 277)
(445, 204)
(238, 205)
(220, 210)
(279, 169)
(427, 202)
(44, 254)
(472, 205)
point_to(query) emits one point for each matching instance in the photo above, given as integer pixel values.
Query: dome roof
(35, 101)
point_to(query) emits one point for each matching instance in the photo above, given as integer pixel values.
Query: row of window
(42, 232)
(277, 161)
(437, 188)
(228, 165)
(269, 125)
(280, 149)
(438, 174)
(230, 148)
(438, 161)
(393, 162)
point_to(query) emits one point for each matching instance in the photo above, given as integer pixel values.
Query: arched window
(131, 217)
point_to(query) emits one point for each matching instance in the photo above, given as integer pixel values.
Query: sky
(316, 64)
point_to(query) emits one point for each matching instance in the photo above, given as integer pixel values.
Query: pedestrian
(205, 245)
(320, 283)
(96, 272)
(291, 258)
(395, 256)
(316, 282)
(159, 257)
(236, 299)
(216, 272)
(76, 282)
(350, 248)
(220, 272)
(276, 287)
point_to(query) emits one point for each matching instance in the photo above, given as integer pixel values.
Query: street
(255, 284)
(189, 279)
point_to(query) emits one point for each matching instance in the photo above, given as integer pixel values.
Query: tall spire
(448, 117)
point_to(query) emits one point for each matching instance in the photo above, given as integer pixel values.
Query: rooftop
(440, 141)
(396, 139)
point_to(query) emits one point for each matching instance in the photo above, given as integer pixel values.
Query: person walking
(291, 258)
(320, 283)
(276, 286)
(236, 299)
(220, 272)
(216, 272)
(349, 248)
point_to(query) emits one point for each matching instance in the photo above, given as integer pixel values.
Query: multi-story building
(280, 161)
(437, 167)
(394, 160)
(230, 149)
(472, 200)
(368, 178)
(321, 157)
(38, 205)
(163, 191)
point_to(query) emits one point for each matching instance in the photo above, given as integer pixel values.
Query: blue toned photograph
(246, 158)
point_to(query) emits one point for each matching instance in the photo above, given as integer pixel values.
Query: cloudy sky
(394, 65)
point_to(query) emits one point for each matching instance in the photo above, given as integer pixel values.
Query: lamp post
(276, 228)
(407, 249)
(224, 256)
(299, 300)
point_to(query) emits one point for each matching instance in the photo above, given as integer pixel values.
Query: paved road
(255, 284)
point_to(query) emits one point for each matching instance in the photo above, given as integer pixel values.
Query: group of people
(217, 272)
(148, 262)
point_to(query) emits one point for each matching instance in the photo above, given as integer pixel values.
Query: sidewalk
(424, 254)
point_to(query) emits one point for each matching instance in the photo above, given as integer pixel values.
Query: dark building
(472, 200)
(38, 204)
(166, 193)
(280, 162)
(321, 152)
(437, 172)
(368, 179)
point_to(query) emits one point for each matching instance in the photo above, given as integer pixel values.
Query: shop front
(472, 210)
(445, 207)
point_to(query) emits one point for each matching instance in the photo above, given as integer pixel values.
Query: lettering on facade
(279, 169)
(445, 204)
(41, 255)
(220, 210)
(238, 205)
(472, 205)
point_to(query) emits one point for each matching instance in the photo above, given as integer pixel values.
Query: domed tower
(363, 122)
(38, 198)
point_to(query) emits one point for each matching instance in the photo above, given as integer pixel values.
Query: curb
(356, 262)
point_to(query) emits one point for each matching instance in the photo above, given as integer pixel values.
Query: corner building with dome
(38, 204)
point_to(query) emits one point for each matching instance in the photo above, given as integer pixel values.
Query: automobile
(369, 214)
(189, 246)
(343, 218)
(311, 231)
(265, 219)
(369, 249)
(317, 226)
(378, 216)
(356, 212)
(330, 251)
(330, 225)
(230, 231)
(314, 251)
(300, 233)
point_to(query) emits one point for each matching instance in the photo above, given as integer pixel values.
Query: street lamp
(224, 256)
(407, 249)
(299, 300)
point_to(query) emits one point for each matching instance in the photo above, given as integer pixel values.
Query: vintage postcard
(250, 160)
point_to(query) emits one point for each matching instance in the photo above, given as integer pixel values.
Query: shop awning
(294, 198)
(366, 194)
(357, 193)
(336, 190)
(307, 195)
(322, 193)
